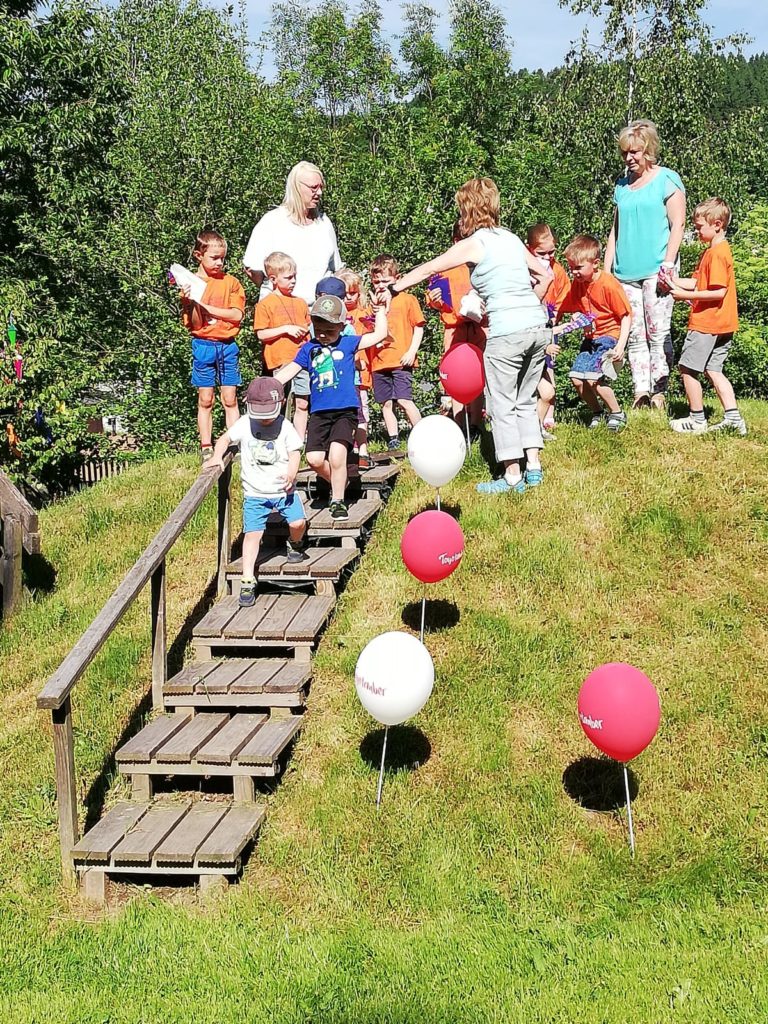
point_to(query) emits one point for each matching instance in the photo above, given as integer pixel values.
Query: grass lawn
(483, 890)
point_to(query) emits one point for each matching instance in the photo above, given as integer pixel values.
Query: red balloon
(432, 546)
(619, 710)
(462, 373)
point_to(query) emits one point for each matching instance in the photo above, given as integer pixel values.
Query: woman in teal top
(642, 248)
(502, 271)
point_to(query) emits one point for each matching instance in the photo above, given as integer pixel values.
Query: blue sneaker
(500, 486)
(533, 477)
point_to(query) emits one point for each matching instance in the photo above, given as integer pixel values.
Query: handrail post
(159, 635)
(11, 564)
(224, 527)
(66, 788)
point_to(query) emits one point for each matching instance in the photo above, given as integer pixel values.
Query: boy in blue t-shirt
(330, 362)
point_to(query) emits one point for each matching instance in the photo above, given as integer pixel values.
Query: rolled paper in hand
(578, 322)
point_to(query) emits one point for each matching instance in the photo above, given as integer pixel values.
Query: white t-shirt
(264, 457)
(313, 246)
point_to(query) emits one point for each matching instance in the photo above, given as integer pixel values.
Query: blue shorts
(256, 511)
(215, 362)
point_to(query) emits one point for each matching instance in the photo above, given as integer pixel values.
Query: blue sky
(542, 32)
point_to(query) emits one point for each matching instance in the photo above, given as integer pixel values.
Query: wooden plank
(181, 845)
(259, 673)
(184, 744)
(293, 677)
(66, 782)
(216, 619)
(360, 512)
(186, 680)
(225, 745)
(220, 680)
(278, 620)
(97, 844)
(148, 833)
(269, 742)
(245, 622)
(13, 502)
(58, 686)
(306, 566)
(143, 746)
(310, 619)
(269, 563)
(230, 837)
(333, 561)
(10, 570)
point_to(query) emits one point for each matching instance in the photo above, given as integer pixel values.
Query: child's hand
(287, 481)
(553, 349)
(185, 291)
(614, 354)
(408, 358)
(215, 462)
(435, 297)
(295, 331)
(680, 294)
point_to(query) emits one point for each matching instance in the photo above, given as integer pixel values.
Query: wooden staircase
(234, 712)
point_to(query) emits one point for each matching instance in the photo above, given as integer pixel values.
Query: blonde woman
(642, 252)
(299, 228)
(517, 334)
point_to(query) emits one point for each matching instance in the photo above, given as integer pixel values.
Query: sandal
(658, 402)
(642, 401)
(501, 486)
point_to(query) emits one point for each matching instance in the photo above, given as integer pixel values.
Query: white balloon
(436, 449)
(394, 677)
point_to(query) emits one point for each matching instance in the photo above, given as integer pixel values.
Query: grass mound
(495, 882)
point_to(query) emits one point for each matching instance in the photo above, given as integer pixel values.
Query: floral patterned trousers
(649, 349)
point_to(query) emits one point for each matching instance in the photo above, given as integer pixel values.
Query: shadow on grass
(439, 615)
(94, 798)
(597, 783)
(407, 748)
(38, 573)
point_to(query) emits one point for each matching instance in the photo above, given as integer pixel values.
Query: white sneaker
(688, 425)
(597, 420)
(739, 428)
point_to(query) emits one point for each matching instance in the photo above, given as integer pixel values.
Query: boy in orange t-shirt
(214, 323)
(392, 363)
(281, 323)
(596, 292)
(541, 242)
(711, 325)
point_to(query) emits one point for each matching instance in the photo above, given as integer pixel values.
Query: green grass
(482, 891)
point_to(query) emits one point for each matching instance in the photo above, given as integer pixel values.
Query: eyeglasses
(312, 188)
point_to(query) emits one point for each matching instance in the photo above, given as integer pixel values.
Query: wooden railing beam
(66, 787)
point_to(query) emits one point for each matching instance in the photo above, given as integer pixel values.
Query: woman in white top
(297, 227)
(502, 270)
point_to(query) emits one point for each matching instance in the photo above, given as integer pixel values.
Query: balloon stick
(381, 770)
(438, 499)
(466, 424)
(629, 813)
(423, 612)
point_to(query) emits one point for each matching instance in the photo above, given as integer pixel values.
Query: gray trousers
(513, 365)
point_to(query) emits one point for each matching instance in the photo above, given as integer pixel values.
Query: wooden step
(170, 837)
(322, 565)
(380, 479)
(362, 512)
(239, 683)
(209, 744)
(291, 621)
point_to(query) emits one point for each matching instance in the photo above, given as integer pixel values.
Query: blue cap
(331, 286)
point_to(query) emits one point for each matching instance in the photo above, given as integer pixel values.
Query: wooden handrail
(13, 503)
(59, 685)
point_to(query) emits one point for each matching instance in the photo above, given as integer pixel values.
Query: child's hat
(264, 398)
(329, 308)
(331, 286)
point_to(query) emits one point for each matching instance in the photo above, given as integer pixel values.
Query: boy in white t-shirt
(270, 450)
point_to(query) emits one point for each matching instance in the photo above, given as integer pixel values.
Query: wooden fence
(149, 568)
(20, 530)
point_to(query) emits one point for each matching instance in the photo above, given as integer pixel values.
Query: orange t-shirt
(604, 298)
(278, 310)
(362, 319)
(225, 292)
(715, 270)
(404, 314)
(558, 288)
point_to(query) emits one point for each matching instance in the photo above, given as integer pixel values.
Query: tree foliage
(125, 129)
